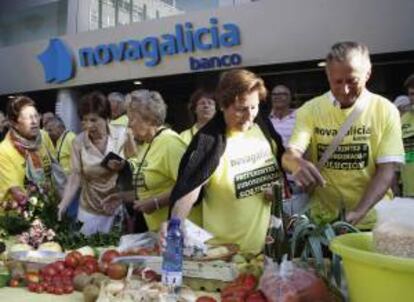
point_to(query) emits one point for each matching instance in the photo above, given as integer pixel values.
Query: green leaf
(316, 250)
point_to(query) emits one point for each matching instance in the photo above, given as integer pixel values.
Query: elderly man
(118, 109)
(283, 120)
(407, 122)
(359, 172)
(62, 140)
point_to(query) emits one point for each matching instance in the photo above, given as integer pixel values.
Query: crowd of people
(340, 151)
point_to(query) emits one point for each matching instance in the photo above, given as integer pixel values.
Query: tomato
(32, 277)
(68, 289)
(14, 283)
(109, 255)
(47, 278)
(79, 270)
(91, 266)
(206, 299)
(77, 255)
(249, 281)
(50, 271)
(149, 275)
(57, 280)
(50, 289)
(67, 272)
(117, 271)
(67, 280)
(103, 267)
(87, 258)
(58, 290)
(59, 265)
(40, 288)
(32, 287)
(71, 261)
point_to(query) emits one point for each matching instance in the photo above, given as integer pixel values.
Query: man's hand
(354, 217)
(306, 175)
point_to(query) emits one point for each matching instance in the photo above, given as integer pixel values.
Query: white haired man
(360, 171)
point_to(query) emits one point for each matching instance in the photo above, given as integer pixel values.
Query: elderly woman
(202, 107)
(24, 152)
(90, 148)
(234, 159)
(155, 166)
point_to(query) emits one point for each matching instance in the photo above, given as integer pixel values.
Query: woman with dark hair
(24, 152)
(202, 108)
(233, 162)
(90, 148)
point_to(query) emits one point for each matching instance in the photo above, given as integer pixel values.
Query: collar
(336, 103)
(291, 114)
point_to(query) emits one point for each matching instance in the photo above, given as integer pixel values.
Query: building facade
(61, 49)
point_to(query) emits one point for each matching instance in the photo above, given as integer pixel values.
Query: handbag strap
(359, 107)
(61, 144)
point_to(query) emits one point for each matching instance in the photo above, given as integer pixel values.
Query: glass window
(108, 13)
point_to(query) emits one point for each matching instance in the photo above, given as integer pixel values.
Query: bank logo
(57, 61)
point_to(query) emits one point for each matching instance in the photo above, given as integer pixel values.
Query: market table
(11, 294)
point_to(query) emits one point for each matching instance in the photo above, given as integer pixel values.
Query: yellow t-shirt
(234, 208)
(120, 121)
(374, 138)
(158, 173)
(187, 135)
(407, 171)
(12, 164)
(63, 151)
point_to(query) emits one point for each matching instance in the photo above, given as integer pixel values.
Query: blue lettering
(117, 50)
(198, 39)
(179, 33)
(231, 37)
(235, 59)
(214, 33)
(133, 51)
(194, 64)
(169, 46)
(225, 62)
(86, 57)
(149, 47)
(189, 36)
(102, 54)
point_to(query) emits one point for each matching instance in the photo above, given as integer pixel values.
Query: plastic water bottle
(172, 260)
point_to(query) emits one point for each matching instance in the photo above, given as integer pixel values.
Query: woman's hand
(62, 207)
(115, 165)
(268, 194)
(112, 202)
(146, 206)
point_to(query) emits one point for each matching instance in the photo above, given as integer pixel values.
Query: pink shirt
(284, 126)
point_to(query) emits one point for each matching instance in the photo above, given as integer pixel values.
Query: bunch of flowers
(37, 234)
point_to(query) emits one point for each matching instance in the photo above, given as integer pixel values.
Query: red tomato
(87, 258)
(59, 266)
(256, 296)
(57, 280)
(91, 266)
(117, 271)
(32, 277)
(50, 271)
(76, 254)
(67, 280)
(79, 270)
(71, 261)
(67, 272)
(40, 288)
(50, 289)
(109, 255)
(32, 287)
(103, 267)
(68, 289)
(58, 290)
(14, 283)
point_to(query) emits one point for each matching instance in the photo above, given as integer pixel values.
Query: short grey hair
(116, 96)
(58, 121)
(149, 104)
(348, 51)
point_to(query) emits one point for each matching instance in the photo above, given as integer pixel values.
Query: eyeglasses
(280, 94)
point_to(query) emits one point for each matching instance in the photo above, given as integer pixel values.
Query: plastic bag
(288, 282)
(393, 233)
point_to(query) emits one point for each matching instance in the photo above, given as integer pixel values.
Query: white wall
(272, 31)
